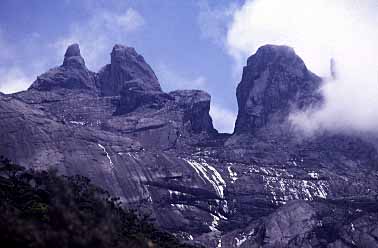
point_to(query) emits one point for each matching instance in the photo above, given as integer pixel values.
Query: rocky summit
(265, 185)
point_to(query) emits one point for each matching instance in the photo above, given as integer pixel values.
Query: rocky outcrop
(72, 57)
(188, 108)
(158, 119)
(126, 65)
(73, 74)
(305, 224)
(196, 107)
(275, 81)
(135, 93)
(263, 186)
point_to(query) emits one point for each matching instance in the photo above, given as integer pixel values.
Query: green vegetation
(43, 209)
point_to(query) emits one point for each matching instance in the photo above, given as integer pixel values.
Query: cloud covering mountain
(344, 30)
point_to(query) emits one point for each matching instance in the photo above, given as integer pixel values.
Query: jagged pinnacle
(73, 57)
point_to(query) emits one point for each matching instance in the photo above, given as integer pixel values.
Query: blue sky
(183, 41)
(204, 44)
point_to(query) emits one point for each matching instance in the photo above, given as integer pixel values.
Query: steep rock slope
(131, 144)
(126, 64)
(275, 80)
(159, 151)
(72, 74)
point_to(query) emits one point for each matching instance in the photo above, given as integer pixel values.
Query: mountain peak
(274, 81)
(274, 54)
(126, 65)
(72, 50)
(73, 57)
(73, 74)
(121, 52)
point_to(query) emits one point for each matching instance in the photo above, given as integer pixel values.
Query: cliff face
(72, 74)
(275, 81)
(126, 64)
(263, 186)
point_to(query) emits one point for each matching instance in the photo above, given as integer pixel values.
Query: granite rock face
(135, 93)
(196, 107)
(275, 81)
(73, 74)
(262, 186)
(312, 224)
(72, 57)
(126, 64)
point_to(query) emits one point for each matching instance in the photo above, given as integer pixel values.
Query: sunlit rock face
(263, 186)
(274, 82)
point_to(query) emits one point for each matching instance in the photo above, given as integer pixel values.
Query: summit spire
(73, 57)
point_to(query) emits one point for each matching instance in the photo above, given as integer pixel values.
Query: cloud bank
(13, 80)
(319, 30)
(15, 73)
(223, 119)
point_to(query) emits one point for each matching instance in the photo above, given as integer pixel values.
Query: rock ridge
(159, 152)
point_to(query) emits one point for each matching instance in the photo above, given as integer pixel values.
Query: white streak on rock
(107, 155)
(214, 223)
(233, 174)
(210, 174)
(219, 243)
(239, 242)
(314, 175)
(78, 123)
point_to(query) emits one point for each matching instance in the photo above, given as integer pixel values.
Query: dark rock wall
(126, 64)
(263, 186)
(274, 82)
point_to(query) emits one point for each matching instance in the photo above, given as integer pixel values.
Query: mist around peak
(320, 31)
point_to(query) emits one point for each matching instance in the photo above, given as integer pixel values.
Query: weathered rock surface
(312, 224)
(126, 64)
(135, 93)
(73, 74)
(274, 82)
(263, 186)
(196, 106)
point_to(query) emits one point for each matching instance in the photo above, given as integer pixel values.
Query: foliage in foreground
(43, 209)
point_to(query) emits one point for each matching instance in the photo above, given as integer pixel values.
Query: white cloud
(128, 22)
(97, 36)
(172, 80)
(13, 80)
(223, 119)
(345, 30)
(213, 21)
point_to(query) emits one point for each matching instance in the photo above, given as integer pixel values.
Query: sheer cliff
(262, 186)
